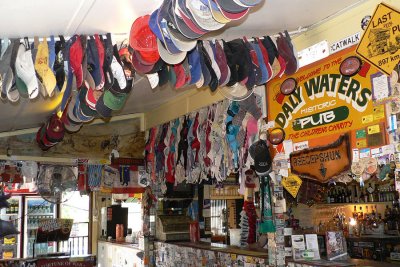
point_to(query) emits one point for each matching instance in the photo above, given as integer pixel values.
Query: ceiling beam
(139, 116)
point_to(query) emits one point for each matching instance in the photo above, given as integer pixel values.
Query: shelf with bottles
(44, 209)
(373, 191)
(13, 207)
(354, 203)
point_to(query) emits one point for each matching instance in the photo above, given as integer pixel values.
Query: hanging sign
(322, 163)
(292, 184)
(380, 43)
(345, 42)
(330, 98)
(53, 230)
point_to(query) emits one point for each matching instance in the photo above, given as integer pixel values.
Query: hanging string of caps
(166, 48)
(90, 74)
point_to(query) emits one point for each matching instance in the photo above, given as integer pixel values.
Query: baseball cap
(254, 76)
(93, 63)
(139, 65)
(42, 67)
(6, 74)
(216, 12)
(204, 70)
(247, 3)
(236, 92)
(153, 79)
(171, 75)
(222, 62)
(102, 109)
(75, 59)
(203, 16)
(237, 57)
(259, 151)
(25, 69)
(142, 39)
(210, 49)
(180, 75)
(213, 83)
(195, 65)
(101, 54)
(114, 101)
(177, 19)
(261, 64)
(230, 6)
(168, 57)
(163, 75)
(232, 15)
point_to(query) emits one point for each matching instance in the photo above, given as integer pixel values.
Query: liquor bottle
(349, 196)
(356, 199)
(333, 196)
(370, 191)
(365, 196)
(361, 195)
(387, 212)
(355, 214)
(360, 214)
(328, 197)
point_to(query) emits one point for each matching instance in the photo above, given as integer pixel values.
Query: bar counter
(207, 254)
(112, 253)
(78, 261)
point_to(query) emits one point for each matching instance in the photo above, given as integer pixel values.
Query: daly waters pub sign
(325, 100)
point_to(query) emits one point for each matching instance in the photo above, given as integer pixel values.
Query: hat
(168, 57)
(286, 51)
(55, 129)
(184, 21)
(42, 67)
(114, 101)
(259, 151)
(247, 3)
(153, 79)
(52, 52)
(143, 39)
(171, 75)
(102, 109)
(230, 6)
(236, 92)
(213, 83)
(222, 62)
(6, 74)
(254, 76)
(158, 24)
(265, 55)
(274, 58)
(163, 75)
(139, 64)
(204, 70)
(119, 76)
(93, 62)
(195, 65)
(203, 16)
(26, 71)
(216, 12)
(263, 68)
(210, 49)
(232, 15)
(237, 57)
(101, 54)
(108, 57)
(75, 59)
(180, 75)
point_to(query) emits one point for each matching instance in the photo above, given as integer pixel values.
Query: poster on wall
(324, 101)
(380, 43)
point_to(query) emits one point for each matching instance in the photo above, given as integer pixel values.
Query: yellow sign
(361, 143)
(374, 129)
(9, 241)
(324, 101)
(380, 43)
(379, 112)
(292, 184)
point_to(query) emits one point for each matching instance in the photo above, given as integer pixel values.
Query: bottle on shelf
(365, 196)
(370, 192)
(355, 214)
(361, 196)
(328, 197)
(349, 197)
(356, 199)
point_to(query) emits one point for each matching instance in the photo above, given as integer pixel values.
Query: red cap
(75, 59)
(180, 75)
(143, 40)
(101, 52)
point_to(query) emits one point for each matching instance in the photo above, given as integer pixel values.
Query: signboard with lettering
(325, 102)
(53, 230)
(380, 43)
(292, 184)
(345, 42)
(322, 163)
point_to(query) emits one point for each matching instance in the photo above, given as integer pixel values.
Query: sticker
(388, 149)
(361, 134)
(364, 22)
(371, 166)
(374, 129)
(376, 152)
(356, 155)
(367, 119)
(300, 146)
(292, 184)
(361, 143)
(365, 153)
(379, 113)
(284, 172)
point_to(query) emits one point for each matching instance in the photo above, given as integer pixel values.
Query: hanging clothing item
(82, 175)
(95, 173)
(124, 175)
(267, 223)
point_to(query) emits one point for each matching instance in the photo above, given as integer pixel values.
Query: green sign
(321, 118)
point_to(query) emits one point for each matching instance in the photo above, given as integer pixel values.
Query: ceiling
(19, 18)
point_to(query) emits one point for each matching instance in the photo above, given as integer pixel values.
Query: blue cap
(93, 61)
(194, 65)
(159, 25)
(261, 63)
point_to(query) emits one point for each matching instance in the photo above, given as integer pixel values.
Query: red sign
(67, 262)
